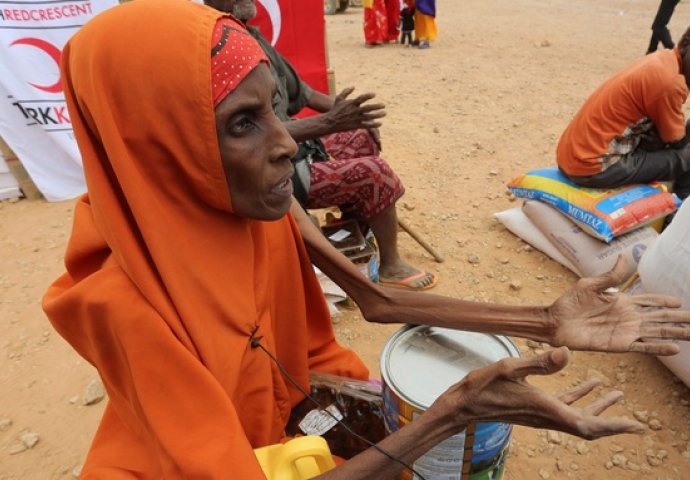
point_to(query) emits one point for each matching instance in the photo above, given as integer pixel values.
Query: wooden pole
(420, 241)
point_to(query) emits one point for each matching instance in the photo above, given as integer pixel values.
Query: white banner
(33, 116)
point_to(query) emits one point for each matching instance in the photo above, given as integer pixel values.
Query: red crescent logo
(52, 51)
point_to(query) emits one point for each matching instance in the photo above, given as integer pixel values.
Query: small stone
(560, 465)
(545, 43)
(17, 448)
(74, 399)
(515, 285)
(574, 467)
(505, 260)
(94, 392)
(554, 437)
(653, 461)
(473, 258)
(617, 448)
(76, 471)
(619, 460)
(29, 439)
(581, 448)
(591, 373)
(641, 415)
(543, 474)
(608, 465)
(5, 424)
(655, 424)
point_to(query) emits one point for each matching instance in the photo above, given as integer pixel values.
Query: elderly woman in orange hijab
(185, 257)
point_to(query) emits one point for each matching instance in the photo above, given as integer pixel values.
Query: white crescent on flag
(273, 9)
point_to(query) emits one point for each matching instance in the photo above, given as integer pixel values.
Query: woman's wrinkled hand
(501, 393)
(594, 316)
(353, 113)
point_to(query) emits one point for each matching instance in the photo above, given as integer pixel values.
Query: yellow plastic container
(299, 459)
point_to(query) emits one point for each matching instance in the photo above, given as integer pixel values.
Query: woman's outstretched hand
(594, 316)
(352, 113)
(500, 392)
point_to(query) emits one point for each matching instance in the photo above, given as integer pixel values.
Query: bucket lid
(419, 363)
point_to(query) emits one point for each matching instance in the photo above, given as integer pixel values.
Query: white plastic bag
(665, 268)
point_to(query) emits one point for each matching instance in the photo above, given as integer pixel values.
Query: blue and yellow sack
(603, 213)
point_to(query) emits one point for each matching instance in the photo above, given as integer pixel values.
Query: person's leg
(659, 26)
(425, 29)
(664, 36)
(641, 166)
(392, 18)
(369, 188)
(350, 144)
(653, 43)
(375, 26)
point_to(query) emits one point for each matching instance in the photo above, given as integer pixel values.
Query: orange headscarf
(165, 286)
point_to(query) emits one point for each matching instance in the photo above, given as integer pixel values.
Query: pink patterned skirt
(356, 179)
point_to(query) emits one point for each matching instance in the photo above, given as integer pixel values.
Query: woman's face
(255, 149)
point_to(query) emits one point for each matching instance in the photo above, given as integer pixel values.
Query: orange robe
(165, 287)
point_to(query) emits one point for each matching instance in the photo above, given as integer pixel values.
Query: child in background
(407, 22)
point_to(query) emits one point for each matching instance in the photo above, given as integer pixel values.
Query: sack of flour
(589, 255)
(665, 269)
(602, 213)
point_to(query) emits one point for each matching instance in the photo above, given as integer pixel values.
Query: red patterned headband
(234, 54)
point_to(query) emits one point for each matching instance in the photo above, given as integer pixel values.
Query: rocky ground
(485, 103)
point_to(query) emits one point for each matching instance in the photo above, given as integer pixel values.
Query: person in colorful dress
(381, 18)
(352, 174)
(190, 288)
(425, 22)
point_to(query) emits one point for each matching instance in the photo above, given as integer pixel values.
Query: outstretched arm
(499, 392)
(589, 316)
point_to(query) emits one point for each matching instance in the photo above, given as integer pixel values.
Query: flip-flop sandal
(409, 281)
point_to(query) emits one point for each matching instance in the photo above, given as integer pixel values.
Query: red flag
(296, 28)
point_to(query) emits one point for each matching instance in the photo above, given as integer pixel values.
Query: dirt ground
(485, 103)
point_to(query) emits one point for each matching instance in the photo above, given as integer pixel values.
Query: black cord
(256, 343)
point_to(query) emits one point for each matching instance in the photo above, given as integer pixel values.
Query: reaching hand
(594, 316)
(500, 392)
(352, 113)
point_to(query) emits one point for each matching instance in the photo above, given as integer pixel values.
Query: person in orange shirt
(190, 288)
(632, 128)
